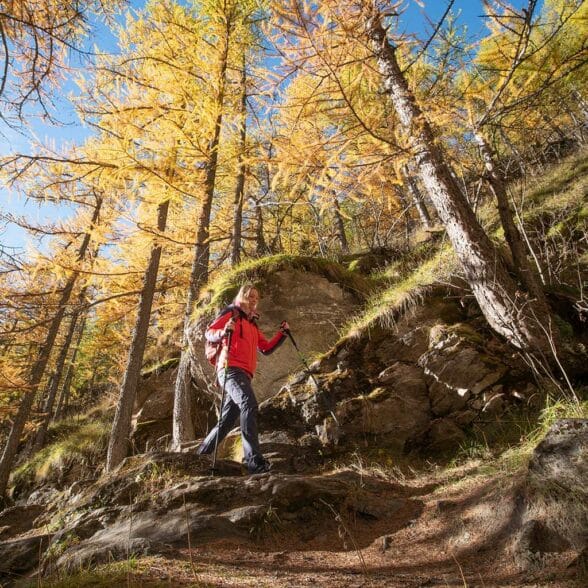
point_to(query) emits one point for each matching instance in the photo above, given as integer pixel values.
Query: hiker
(240, 318)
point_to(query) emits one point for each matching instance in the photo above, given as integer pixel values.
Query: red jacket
(246, 340)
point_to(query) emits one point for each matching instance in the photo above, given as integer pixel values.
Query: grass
(153, 572)
(514, 457)
(385, 306)
(160, 367)
(82, 442)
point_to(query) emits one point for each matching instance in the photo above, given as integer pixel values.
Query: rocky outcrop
(421, 384)
(554, 499)
(150, 504)
(315, 305)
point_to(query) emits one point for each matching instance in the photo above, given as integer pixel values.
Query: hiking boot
(259, 466)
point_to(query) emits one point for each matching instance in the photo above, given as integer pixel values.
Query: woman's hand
(284, 327)
(229, 327)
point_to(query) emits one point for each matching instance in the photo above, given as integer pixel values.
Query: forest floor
(456, 534)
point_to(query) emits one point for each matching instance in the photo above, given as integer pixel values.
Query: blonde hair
(244, 292)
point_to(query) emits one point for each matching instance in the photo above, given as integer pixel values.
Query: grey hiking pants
(239, 401)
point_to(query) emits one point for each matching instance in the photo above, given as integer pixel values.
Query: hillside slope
(422, 451)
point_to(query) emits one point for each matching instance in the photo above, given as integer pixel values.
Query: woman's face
(249, 302)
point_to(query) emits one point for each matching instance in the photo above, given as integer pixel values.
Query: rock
(19, 519)
(409, 338)
(285, 452)
(43, 495)
(445, 399)
(455, 358)
(445, 435)
(561, 457)
(536, 538)
(494, 401)
(399, 410)
(153, 392)
(208, 509)
(19, 556)
(105, 549)
(581, 565)
(554, 511)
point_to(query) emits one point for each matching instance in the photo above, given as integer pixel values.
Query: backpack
(212, 350)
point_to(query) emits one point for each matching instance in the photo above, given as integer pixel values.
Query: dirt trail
(455, 532)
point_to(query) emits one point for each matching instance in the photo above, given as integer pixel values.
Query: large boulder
(316, 306)
(554, 499)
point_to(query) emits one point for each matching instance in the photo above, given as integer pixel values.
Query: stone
(494, 402)
(554, 498)
(562, 457)
(19, 519)
(456, 359)
(19, 556)
(153, 393)
(206, 509)
(445, 399)
(445, 435)
(400, 409)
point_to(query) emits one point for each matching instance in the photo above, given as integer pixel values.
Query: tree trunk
(527, 275)
(183, 429)
(513, 149)
(240, 188)
(121, 427)
(52, 393)
(339, 226)
(408, 220)
(64, 395)
(38, 368)
(261, 247)
(417, 198)
(508, 312)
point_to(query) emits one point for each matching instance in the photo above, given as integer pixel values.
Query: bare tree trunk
(183, 429)
(64, 395)
(38, 368)
(240, 188)
(408, 220)
(339, 225)
(508, 312)
(260, 245)
(417, 198)
(121, 427)
(52, 393)
(513, 149)
(582, 104)
(527, 275)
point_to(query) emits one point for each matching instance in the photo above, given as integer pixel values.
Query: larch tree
(227, 21)
(36, 38)
(510, 311)
(38, 367)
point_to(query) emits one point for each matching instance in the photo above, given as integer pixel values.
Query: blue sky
(71, 131)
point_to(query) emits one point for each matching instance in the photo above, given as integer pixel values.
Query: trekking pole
(222, 402)
(305, 364)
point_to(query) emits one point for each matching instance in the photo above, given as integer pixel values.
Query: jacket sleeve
(214, 332)
(267, 347)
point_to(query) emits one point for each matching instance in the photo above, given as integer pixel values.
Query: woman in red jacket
(240, 318)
